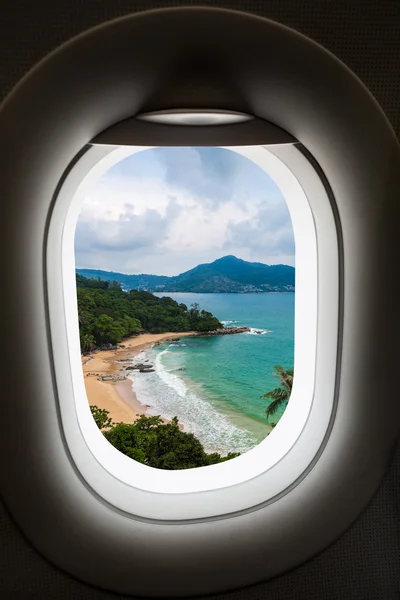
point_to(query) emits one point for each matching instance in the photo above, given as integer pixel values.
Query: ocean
(213, 384)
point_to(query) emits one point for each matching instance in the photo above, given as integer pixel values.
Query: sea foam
(258, 331)
(168, 395)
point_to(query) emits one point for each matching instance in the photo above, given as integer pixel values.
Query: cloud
(207, 172)
(268, 233)
(212, 174)
(166, 210)
(128, 233)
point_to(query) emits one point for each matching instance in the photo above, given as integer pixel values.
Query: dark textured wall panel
(365, 563)
(362, 565)
(364, 34)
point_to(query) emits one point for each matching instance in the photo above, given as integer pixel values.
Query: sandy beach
(118, 397)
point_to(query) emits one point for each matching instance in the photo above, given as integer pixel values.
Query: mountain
(128, 282)
(228, 274)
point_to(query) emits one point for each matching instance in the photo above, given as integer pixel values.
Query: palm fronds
(280, 394)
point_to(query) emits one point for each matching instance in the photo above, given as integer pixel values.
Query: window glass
(186, 285)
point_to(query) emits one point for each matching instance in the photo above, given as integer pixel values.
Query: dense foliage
(227, 274)
(101, 417)
(107, 314)
(157, 444)
(281, 394)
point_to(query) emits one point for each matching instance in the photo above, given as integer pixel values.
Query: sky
(165, 210)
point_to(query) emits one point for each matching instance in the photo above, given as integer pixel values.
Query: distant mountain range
(225, 275)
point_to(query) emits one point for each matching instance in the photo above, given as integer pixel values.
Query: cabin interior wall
(365, 34)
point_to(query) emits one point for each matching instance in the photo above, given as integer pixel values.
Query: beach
(118, 398)
(216, 385)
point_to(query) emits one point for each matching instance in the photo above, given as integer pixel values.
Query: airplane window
(185, 314)
(186, 295)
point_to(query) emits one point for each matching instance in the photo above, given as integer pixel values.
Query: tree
(280, 395)
(215, 457)
(107, 330)
(101, 417)
(107, 314)
(193, 315)
(207, 322)
(131, 325)
(202, 320)
(87, 342)
(156, 444)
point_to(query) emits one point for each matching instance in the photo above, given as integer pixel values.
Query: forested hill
(228, 274)
(107, 314)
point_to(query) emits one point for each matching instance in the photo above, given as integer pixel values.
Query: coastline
(119, 397)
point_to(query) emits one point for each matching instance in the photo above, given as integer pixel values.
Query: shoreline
(118, 397)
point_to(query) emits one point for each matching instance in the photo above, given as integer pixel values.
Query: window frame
(287, 452)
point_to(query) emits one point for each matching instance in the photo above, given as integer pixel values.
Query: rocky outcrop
(108, 347)
(226, 331)
(111, 377)
(138, 366)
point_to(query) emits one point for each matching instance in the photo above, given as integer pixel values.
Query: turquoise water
(214, 384)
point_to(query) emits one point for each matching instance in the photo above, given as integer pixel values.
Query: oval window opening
(136, 223)
(186, 297)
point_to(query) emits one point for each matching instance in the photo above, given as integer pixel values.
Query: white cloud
(160, 224)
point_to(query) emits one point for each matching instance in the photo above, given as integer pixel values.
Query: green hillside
(228, 274)
(107, 314)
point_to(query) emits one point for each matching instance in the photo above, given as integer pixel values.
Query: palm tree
(87, 342)
(280, 394)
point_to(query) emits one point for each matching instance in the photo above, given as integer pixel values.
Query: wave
(225, 323)
(258, 331)
(172, 381)
(168, 395)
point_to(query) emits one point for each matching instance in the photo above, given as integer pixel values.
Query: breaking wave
(168, 395)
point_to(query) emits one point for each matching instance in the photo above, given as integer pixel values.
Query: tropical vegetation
(107, 314)
(280, 395)
(156, 444)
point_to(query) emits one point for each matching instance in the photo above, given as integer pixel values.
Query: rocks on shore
(141, 367)
(226, 331)
(108, 347)
(111, 377)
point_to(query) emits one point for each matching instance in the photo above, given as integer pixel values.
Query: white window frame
(286, 453)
